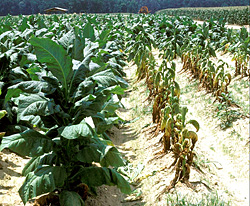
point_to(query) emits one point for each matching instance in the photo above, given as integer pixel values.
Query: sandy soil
(11, 166)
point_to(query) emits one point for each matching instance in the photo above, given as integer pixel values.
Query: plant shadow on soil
(7, 166)
(111, 195)
(5, 188)
(9, 172)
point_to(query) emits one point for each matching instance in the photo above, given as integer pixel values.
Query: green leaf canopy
(44, 179)
(29, 143)
(97, 176)
(69, 198)
(55, 57)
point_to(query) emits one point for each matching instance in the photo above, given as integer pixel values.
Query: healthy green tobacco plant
(232, 15)
(70, 107)
(140, 47)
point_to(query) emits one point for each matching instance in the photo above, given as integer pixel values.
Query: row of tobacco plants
(196, 45)
(233, 15)
(62, 81)
(164, 93)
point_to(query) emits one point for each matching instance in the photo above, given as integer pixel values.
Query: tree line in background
(16, 7)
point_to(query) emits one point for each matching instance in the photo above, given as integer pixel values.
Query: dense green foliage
(61, 81)
(15, 7)
(232, 15)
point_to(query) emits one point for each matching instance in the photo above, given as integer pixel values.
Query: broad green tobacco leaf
(89, 108)
(67, 40)
(78, 47)
(24, 25)
(100, 152)
(90, 153)
(103, 37)
(4, 35)
(104, 124)
(80, 74)
(88, 99)
(111, 157)
(115, 90)
(32, 107)
(43, 180)
(70, 198)
(41, 32)
(32, 72)
(97, 176)
(12, 93)
(90, 48)
(77, 131)
(31, 87)
(46, 159)
(105, 78)
(27, 59)
(88, 32)
(19, 74)
(55, 57)
(85, 88)
(28, 143)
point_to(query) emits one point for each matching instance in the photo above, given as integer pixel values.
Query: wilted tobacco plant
(172, 118)
(167, 120)
(183, 147)
(221, 79)
(241, 64)
(179, 139)
(191, 58)
(163, 80)
(150, 76)
(213, 78)
(242, 53)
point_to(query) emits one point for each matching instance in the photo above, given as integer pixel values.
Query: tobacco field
(123, 110)
(233, 15)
